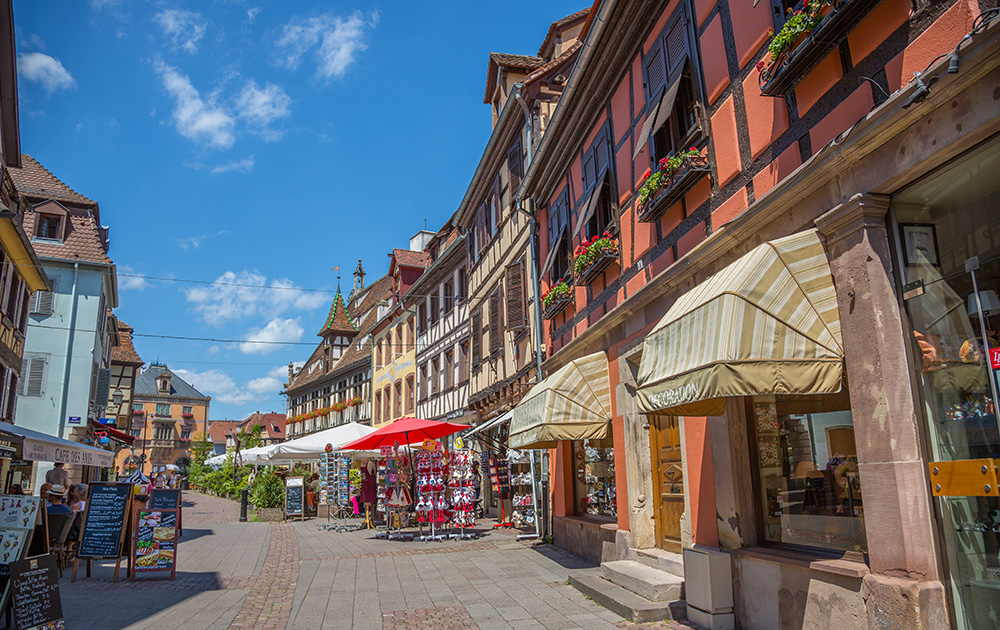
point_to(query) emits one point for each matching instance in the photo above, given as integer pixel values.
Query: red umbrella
(405, 431)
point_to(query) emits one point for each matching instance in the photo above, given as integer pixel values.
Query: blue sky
(258, 143)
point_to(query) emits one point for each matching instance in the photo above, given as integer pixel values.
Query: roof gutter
(595, 29)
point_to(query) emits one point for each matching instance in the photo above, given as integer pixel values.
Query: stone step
(624, 602)
(659, 559)
(643, 580)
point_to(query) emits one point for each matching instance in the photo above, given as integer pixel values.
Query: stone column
(904, 588)
(639, 459)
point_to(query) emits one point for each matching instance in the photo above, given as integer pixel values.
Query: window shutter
(589, 170)
(676, 43)
(496, 330)
(41, 303)
(601, 156)
(482, 232)
(497, 204)
(32, 373)
(656, 72)
(103, 390)
(514, 167)
(477, 338)
(516, 306)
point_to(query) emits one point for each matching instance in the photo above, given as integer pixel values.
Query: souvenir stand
(521, 470)
(432, 490)
(335, 489)
(396, 493)
(462, 491)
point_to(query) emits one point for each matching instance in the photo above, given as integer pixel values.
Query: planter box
(594, 269)
(791, 66)
(270, 515)
(557, 306)
(680, 184)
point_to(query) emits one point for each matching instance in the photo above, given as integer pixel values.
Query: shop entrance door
(665, 440)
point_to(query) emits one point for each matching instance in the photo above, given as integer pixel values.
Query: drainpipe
(69, 353)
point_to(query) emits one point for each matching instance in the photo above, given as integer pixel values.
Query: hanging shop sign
(995, 358)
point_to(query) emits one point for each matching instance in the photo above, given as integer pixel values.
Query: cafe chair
(59, 527)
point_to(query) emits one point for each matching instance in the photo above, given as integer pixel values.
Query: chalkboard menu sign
(165, 499)
(295, 496)
(104, 521)
(35, 591)
(154, 542)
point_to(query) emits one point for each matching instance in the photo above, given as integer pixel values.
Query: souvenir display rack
(395, 493)
(432, 505)
(499, 473)
(337, 490)
(522, 483)
(461, 485)
(599, 469)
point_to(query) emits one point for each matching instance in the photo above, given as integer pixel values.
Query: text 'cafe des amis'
(804, 391)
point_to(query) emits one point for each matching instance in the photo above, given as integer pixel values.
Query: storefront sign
(105, 420)
(432, 445)
(42, 452)
(995, 358)
(35, 590)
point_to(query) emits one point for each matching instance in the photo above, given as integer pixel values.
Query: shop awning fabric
(37, 446)
(574, 403)
(766, 324)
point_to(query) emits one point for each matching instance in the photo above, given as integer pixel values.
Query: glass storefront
(810, 489)
(594, 470)
(948, 251)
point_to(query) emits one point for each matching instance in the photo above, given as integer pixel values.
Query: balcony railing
(162, 443)
(791, 66)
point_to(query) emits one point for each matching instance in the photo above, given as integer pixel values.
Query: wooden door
(665, 440)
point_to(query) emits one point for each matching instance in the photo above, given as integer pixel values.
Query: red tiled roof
(558, 24)
(273, 423)
(517, 61)
(409, 258)
(82, 239)
(219, 429)
(125, 352)
(35, 181)
(339, 320)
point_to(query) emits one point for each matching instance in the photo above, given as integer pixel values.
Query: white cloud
(261, 106)
(46, 71)
(338, 41)
(252, 14)
(238, 295)
(268, 337)
(194, 242)
(129, 280)
(273, 383)
(183, 28)
(239, 166)
(36, 42)
(195, 118)
(222, 388)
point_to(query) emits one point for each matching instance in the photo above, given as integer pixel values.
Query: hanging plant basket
(673, 188)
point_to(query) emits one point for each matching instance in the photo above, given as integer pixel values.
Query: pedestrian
(57, 500)
(16, 490)
(313, 492)
(57, 476)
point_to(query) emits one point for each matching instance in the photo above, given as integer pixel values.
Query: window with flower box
(557, 263)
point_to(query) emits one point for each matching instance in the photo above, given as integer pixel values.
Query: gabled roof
(410, 258)
(83, 239)
(339, 320)
(273, 423)
(145, 384)
(125, 352)
(360, 348)
(35, 181)
(219, 429)
(525, 62)
(558, 25)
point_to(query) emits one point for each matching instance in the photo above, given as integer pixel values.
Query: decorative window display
(595, 479)
(808, 471)
(523, 513)
(948, 260)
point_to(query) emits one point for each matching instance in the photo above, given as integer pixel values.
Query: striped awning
(766, 324)
(574, 403)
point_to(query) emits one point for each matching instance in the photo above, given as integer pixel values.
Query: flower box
(790, 65)
(678, 182)
(556, 306)
(596, 267)
(138, 412)
(591, 258)
(187, 416)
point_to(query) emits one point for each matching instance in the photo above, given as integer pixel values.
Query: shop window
(807, 471)
(948, 259)
(594, 475)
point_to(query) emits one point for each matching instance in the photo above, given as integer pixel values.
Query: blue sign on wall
(105, 420)
(74, 419)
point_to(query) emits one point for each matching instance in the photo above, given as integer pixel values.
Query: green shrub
(267, 490)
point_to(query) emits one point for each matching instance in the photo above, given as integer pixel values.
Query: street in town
(271, 576)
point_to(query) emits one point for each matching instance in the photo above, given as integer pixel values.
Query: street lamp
(117, 397)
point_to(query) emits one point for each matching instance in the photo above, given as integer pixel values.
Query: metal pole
(243, 505)
(986, 342)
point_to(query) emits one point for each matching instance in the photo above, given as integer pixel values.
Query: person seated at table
(57, 500)
(43, 491)
(16, 490)
(77, 497)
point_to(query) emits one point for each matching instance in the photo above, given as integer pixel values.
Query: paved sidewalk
(260, 576)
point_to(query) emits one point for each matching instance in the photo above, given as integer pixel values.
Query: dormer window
(50, 221)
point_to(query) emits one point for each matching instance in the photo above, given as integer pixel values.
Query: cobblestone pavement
(285, 576)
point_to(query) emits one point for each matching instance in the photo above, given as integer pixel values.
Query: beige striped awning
(574, 403)
(766, 324)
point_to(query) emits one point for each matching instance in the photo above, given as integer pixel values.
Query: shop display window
(947, 237)
(594, 471)
(810, 489)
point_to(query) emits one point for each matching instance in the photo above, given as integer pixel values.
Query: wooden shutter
(477, 338)
(496, 325)
(676, 42)
(482, 233)
(656, 72)
(103, 389)
(514, 168)
(497, 204)
(516, 300)
(602, 156)
(32, 373)
(41, 303)
(589, 170)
